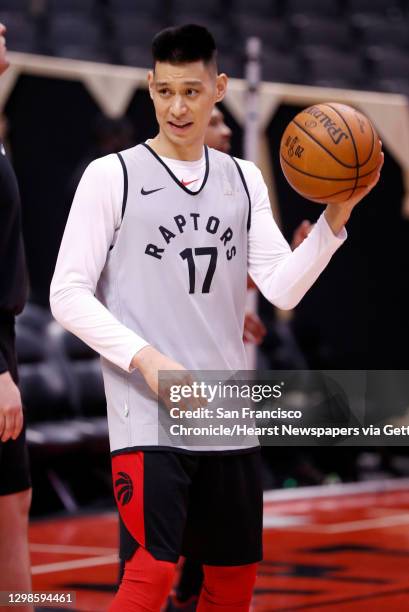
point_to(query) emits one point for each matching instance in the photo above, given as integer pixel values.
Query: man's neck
(163, 147)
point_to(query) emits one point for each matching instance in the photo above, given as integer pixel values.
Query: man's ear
(221, 86)
(151, 79)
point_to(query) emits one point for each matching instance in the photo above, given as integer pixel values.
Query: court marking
(283, 522)
(335, 490)
(67, 549)
(363, 525)
(336, 602)
(62, 566)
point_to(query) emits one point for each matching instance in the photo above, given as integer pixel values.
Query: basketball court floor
(338, 547)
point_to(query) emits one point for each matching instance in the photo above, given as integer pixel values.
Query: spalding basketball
(330, 152)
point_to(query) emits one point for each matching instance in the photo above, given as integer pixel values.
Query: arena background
(355, 317)
(72, 61)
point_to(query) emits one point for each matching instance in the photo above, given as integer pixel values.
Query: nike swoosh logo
(144, 192)
(186, 183)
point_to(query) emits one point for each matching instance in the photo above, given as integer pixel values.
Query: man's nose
(178, 107)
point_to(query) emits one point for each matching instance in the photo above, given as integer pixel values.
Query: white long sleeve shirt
(282, 275)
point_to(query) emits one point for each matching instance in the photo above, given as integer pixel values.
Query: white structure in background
(251, 148)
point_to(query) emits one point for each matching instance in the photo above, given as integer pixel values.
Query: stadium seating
(397, 86)
(19, 6)
(85, 372)
(69, 28)
(232, 65)
(21, 31)
(261, 8)
(62, 389)
(209, 8)
(48, 399)
(135, 55)
(273, 33)
(155, 8)
(63, 396)
(76, 36)
(317, 31)
(379, 7)
(281, 67)
(73, 6)
(390, 64)
(34, 317)
(314, 8)
(300, 38)
(134, 30)
(331, 68)
(377, 31)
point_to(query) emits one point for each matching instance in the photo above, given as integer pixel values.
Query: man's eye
(191, 92)
(164, 92)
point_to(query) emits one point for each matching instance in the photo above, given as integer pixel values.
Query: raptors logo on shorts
(128, 477)
(124, 488)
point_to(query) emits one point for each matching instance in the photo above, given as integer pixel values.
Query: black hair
(184, 44)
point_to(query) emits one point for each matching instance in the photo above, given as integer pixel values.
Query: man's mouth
(180, 127)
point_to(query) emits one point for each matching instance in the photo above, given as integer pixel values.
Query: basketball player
(15, 486)
(152, 274)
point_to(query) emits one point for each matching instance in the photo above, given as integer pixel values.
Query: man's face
(218, 134)
(4, 64)
(184, 96)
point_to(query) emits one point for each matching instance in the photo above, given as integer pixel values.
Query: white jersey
(172, 272)
(177, 277)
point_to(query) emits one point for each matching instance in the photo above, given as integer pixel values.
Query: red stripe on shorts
(128, 475)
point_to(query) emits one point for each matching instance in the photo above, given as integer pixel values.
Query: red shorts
(205, 507)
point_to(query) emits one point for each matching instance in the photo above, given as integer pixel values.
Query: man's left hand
(338, 214)
(254, 329)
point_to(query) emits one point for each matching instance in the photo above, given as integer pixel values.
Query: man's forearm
(143, 357)
(285, 282)
(337, 216)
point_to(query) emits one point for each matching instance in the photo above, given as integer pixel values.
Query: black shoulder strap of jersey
(243, 180)
(125, 196)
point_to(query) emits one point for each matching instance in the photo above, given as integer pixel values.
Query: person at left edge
(15, 484)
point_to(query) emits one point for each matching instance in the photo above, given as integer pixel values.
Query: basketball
(329, 152)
